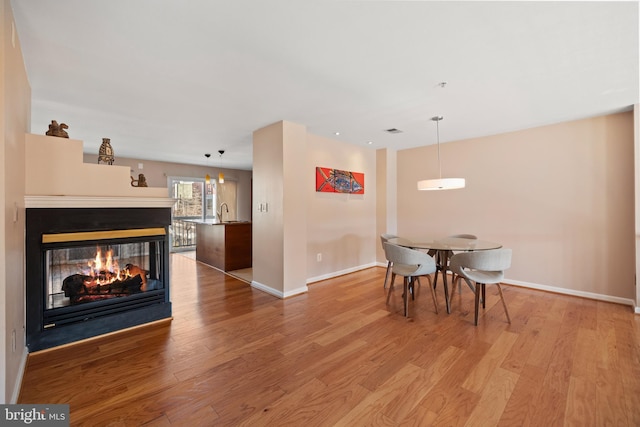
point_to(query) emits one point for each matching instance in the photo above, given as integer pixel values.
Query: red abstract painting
(338, 181)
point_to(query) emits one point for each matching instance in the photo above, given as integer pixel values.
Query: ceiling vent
(393, 130)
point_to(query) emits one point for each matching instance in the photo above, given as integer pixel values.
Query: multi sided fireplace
(92, 271)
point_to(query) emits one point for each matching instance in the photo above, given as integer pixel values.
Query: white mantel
(97, 202)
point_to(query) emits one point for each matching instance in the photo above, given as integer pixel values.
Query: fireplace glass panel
(82, 274)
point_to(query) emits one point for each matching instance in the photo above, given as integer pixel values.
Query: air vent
(393, 130)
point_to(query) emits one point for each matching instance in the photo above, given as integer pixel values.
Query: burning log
(83, 288)
(134, 270)
(74, 285)
(130, 285)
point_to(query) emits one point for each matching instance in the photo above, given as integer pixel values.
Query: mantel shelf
(97, 202)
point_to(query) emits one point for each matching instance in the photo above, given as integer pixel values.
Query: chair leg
(453, 286)
(386, 275)
(406, 297)
(478, 286)
(393, 279)
(484, 295)
(503, 303)
(433, 295)
(428, 276)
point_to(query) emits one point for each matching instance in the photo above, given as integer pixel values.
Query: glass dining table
(444, 247)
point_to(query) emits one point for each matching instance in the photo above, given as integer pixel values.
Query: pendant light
(221, 175)
(207, 177)
(440, 183)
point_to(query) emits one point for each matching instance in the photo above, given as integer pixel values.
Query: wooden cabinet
(226, 246)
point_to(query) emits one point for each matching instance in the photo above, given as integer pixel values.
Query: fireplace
(92, 271)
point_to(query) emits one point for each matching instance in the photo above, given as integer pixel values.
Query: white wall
(636, 136)
(300, 222)
(15, 117)
(268, 223)
(340, 227)
(561, 196)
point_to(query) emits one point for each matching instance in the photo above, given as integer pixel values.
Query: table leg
(444, 259)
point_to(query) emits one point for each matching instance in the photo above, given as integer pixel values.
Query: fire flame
(105, 271)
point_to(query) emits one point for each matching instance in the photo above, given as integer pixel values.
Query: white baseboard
(554, 289)
(564, 291)
(18, 384)
(264, 288)
(342, 272)
(573, 292)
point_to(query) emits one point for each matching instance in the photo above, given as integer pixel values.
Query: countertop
(216, 222)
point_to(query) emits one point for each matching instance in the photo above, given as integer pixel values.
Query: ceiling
(170, 81)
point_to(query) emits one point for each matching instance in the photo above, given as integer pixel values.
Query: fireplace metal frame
(94, 318)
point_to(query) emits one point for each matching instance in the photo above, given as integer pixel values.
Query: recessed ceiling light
(369, 142)
(337, 133)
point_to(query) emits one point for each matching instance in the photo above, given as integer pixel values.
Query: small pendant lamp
(440, 183)
(207, 177)
(221, 175)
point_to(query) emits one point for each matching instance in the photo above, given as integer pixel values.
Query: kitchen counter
(225, 245)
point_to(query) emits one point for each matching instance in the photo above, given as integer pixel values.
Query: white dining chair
(411, 264)
(383, 239)
(483, 268)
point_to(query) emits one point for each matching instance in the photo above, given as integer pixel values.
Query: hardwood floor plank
(523, 402)
(454, 405)
(404, 403)
(580, 409)
(311, 404)
(585, 358)
(629, 361)
(341, 330)
(491, 405)
(610, 399)
(611, 407)
(372, 408)
(338, 355)
(483, 370)
(551, 401)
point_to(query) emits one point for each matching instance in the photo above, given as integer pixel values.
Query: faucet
(220, 211)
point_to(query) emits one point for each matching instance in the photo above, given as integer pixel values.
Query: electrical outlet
(13, 341)
(319, 257)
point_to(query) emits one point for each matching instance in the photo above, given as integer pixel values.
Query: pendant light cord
(438, 138)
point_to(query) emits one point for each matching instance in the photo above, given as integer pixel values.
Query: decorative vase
(105, 154)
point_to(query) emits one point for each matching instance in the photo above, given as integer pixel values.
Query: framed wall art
(330, 180)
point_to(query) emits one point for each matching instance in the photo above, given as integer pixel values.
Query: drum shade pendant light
(207, 177)
(440, 183)
(221, 175)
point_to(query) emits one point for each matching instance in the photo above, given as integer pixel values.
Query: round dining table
(444, 247)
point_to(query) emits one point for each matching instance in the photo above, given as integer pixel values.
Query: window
(191, 204)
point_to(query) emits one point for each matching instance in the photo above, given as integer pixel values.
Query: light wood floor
(339, 356)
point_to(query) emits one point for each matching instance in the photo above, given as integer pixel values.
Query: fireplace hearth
(94, 270)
